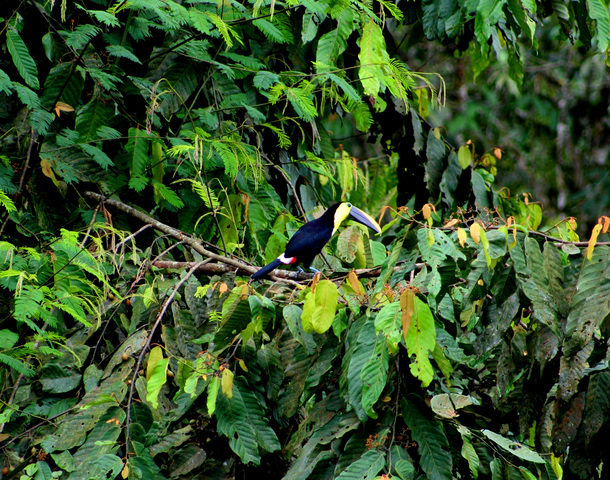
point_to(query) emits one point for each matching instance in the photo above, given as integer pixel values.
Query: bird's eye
(349, 205)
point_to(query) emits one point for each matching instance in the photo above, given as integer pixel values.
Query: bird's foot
(314, 270)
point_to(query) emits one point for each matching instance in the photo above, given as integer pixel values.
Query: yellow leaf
(243, 366)
(125, 471)
(227, 383)
(47, 170)
(461, 233)
(451, 223)
(63, 107)
(475, 232)
(593, 240)
(354, 282)
(407, 306)
(426, 211)
(606, 223)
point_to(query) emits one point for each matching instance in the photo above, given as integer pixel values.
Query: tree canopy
(154, 151)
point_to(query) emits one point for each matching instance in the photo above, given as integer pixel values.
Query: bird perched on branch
(309, 240)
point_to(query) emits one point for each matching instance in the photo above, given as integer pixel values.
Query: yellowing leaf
(347, 243)
(606, 222)
(593, 240)
(475, 232)
(407, 306)
(420, 341)
(243, 365)
(156, 375)
(354, 282)
(227, 383)
(62, 107)
(451, 223)
(497, 153)
(320, 307)
(155, 355)
(426, 211)
(461, 234)
(424, 102)
(125, 471)
(485, 244)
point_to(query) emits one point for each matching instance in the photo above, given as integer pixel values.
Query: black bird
(309, 240)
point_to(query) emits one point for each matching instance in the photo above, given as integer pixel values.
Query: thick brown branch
(192, 242)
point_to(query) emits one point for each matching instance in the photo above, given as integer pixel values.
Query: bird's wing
(306, 243)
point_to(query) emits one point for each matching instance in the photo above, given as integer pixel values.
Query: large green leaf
(23, 61)
(320, 307)
(598, 11)
(432, 443)
(372, 46)
(420, 341)
(590, 305)
(363, 349)
(374, 375)
(242, 419)
(95, 114)
(365, 468)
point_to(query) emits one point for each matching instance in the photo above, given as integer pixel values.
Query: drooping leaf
(23, 61)
(432, 444)
(320, 307)
(243, 421)
(374, 375)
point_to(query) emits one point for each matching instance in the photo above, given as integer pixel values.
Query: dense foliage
(152, 151)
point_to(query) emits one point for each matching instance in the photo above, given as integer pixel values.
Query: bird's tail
(266, 269)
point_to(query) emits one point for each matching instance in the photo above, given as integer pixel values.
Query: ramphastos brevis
(309, 240)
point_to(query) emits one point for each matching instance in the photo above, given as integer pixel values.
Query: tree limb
(192, 242)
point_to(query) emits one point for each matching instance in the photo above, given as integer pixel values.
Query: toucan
(309, 240)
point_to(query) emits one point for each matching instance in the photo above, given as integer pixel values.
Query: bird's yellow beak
(364, 219)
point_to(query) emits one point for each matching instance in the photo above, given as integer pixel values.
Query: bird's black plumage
(309, 240)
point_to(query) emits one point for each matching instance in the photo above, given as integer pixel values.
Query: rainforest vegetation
(155, 153)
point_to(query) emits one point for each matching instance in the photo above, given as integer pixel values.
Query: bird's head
(346, 209)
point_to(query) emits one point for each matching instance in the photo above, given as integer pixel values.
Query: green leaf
(363, 341)
(156, 375)
(242, 419)
(589, 305)
(8, 339)
(598, 11)
(427, 432)
(120, 51)
(91, 117)
(435, 13)
(320, 307)
(332, 44)
(372, 48)
(518, 449)
(388, 322)
(302, 103)
(25, 64)
(420, 341)
(59, 379)
(374, 375)
(365, 468)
